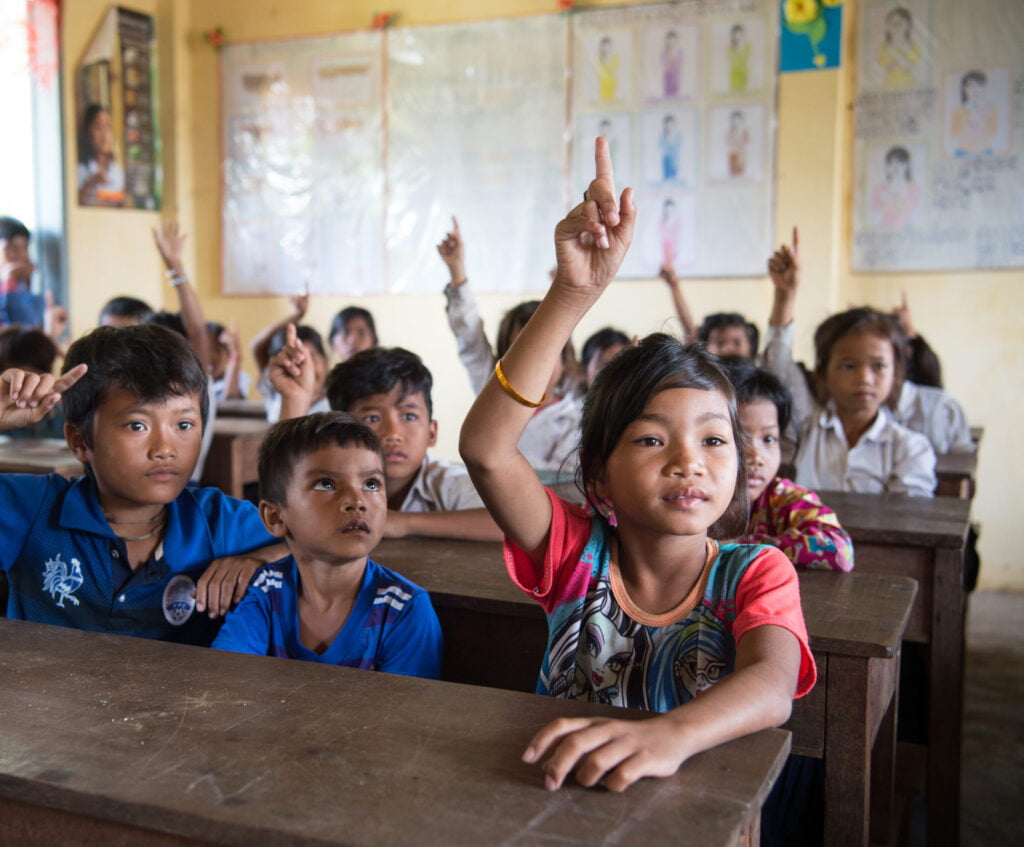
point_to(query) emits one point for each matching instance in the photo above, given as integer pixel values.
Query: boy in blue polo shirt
(322, 489)
(126, 548)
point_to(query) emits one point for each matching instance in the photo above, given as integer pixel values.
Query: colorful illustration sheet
(685, 94)
(939, 136)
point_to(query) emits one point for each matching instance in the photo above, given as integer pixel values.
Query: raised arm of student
(26, 398)
(668, 273)
(170, 242)
(293, 376)
(261, 342)
(463, 316)
(784, 270)
(590, 244)
(467, 524)
(232, 373)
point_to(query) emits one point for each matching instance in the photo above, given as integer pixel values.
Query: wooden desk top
(241, 409)
(899, 520)
(856, 614)
(244, 749)
(38, 455)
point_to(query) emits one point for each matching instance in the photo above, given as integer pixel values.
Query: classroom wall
(976, 336)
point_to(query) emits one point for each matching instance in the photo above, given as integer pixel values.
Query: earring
(604, 507)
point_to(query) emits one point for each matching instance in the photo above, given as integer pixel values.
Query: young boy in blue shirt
(126, 548)
(388, 389)
(322, 490)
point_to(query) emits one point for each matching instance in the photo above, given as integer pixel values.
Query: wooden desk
(956, 474)
(923, 539)
(116, 740)
(495, 635)
(241, 409)
(38, 455)
(234, 453)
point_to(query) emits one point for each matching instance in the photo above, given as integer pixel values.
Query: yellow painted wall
(978, 336)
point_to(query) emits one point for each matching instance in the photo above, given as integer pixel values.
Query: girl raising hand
(645, 610)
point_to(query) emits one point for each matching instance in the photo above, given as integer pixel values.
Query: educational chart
(476, 129)
(303, 146)
(939, 176)
(685, 94)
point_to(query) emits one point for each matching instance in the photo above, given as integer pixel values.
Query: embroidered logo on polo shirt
(62, 582)
(179, 600)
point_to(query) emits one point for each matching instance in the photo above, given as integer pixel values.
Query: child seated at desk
(126, 548)
(645, 609)
(388, 389)
(852, 441)
(322, 491)
(782, 513)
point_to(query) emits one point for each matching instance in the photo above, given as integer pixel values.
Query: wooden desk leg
(237, 484)
(883, 764)
(847, 752)
(945, 698)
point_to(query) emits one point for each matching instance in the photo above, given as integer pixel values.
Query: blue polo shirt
(66, 566)
(392, 626)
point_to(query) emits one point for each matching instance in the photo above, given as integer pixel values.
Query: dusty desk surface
(38, 455)
(238, 408)
(113, 732)
(899, 520)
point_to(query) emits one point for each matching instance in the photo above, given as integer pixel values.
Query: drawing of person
(670, 227)
(607, 68)
(100, 178)
(738, 57)
(671, 64)
(976, 119)
(894, 200)
(737, 139)
(607, 663)
(899, 53)
(670, 142)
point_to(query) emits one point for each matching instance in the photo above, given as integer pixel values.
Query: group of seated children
(676, 579)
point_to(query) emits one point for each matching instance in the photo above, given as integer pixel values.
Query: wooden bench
(495, 635)
(923, 538)
(232, 462)
(116, 740)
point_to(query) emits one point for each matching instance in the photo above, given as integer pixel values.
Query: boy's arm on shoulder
(224, 582)
(466, 524)
(413, 647)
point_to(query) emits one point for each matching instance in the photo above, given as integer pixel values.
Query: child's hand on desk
(614, 752)
(591, 242)
(26, 398)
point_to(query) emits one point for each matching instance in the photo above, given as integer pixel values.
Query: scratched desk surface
(180, 745)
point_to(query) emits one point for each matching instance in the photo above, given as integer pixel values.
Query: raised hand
(292, 371)
(170, 241)
(300, 303)
(55, 318)
(452, 252)
(26, 398)
(591, 241)
(784, 266)
(668, 273)
(902, 314)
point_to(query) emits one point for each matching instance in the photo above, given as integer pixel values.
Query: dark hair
(168, 320)
(126, 307)
(85, 151)
(621, 392)
(215, 329)
(753, 383)
(900, 155)
(378, 371)
(923, 365)
(897, 12)
(601, 341)
(151, 362)
(862, 319)
(28, 348)
(305, 333)
(288, 441)
(724, 320)
(12, 228)
(512, 323)
(346, 315)
(971, 76)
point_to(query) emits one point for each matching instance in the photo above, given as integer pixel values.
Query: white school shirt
(272, 400)
(933, 413)
(474, 349)
(211, 416)
(888, 458)
(441, 486)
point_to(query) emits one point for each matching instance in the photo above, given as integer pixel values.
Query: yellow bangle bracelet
(511, 392)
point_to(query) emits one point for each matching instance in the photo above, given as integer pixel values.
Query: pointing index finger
(604, 173)
(70, 378)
